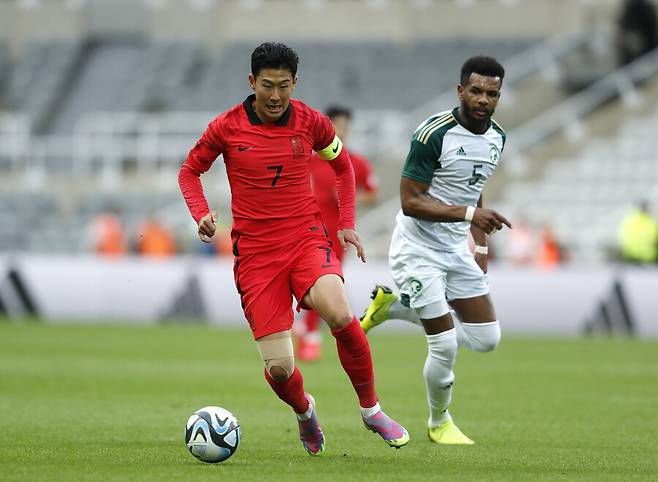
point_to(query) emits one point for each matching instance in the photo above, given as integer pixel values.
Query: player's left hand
(482, 260)
(349, 236)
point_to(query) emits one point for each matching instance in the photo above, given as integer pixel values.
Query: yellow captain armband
(332, 151)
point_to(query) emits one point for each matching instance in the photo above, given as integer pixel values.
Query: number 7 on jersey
(278, 169)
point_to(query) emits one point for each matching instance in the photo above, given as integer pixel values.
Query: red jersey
(324, 180)
(268, 170)
(324, 190)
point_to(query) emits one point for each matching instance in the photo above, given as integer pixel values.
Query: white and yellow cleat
(377, 313)
(448, 433)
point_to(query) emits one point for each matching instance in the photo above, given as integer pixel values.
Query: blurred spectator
(366, 180)
(308, 340)
(638, 30)
(550, 253)
(154, 239)
(638, 236)
(106, 234)
(522, 243)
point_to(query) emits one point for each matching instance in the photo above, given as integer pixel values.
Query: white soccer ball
(212, 434)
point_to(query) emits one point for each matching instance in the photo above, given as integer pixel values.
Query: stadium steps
(585, 187)
(39, 77)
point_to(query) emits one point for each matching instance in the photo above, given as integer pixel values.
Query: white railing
(385, 134)
(14, 139)
(542, 57)
(568, 114)
(102, 142)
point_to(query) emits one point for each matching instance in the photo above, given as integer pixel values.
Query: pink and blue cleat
(310, 432)
(392, 432)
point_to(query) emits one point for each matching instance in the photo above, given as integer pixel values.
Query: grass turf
(110, 403)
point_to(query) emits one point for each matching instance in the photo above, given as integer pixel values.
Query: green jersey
(456, 164)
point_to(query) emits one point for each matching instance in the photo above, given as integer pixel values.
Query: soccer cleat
(310, 432)
(448, 433)
(377, 313)
(392, 432)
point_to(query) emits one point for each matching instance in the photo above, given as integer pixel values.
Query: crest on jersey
(494, 154)
(297, 146)
(415, 286)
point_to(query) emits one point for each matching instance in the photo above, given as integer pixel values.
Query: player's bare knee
(279, 374)
(339, 319)
(277, 353)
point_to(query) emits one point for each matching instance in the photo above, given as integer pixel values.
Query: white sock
(462, 337)
(397, 311)
(481, 337)
(369, 412)
(441, 356)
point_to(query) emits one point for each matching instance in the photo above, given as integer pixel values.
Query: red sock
(291, 391)
(311, 319)
(354, 354)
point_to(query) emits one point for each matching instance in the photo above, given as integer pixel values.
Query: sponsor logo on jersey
(461, 151)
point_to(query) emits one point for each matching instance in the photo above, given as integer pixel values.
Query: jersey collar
(255, 120)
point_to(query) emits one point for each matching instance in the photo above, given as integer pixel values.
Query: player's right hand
(489, 220)
(208, 226)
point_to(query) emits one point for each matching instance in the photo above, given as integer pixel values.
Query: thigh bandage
(276, 351)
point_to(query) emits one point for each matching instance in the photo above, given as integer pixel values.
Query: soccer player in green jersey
(452, 155)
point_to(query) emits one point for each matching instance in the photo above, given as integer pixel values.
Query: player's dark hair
(487, 66)
(273, 55)
(334, 111)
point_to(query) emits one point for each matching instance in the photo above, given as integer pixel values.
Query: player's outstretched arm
(489, 220)
(417, 204)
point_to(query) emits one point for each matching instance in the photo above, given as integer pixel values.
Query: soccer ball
(212, 434)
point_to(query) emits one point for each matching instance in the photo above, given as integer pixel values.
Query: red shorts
(267, 281)
(330, 218)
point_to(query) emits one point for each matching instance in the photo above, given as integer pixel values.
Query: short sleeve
(421, 163)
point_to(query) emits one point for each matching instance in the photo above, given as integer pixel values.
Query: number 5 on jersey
(476, 176)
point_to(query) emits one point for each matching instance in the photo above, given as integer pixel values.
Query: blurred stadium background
(101, 100)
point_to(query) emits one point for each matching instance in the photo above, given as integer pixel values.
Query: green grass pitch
(109, 403)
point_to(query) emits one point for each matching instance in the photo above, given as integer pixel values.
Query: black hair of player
(334, 111)
(274, 55)
(487, 66)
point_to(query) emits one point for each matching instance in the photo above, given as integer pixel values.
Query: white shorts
(428, 277)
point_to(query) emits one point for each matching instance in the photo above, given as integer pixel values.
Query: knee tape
(276, 351)
(482, 337)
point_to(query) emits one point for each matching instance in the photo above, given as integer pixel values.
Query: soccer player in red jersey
(280, 245)
(308, 337)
